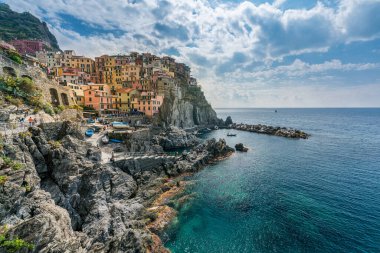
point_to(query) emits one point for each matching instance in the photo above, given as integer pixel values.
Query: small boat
(229, 134)
(89, 132)
(119, 125)
(115, 141)
(90, 121)
(105, 139)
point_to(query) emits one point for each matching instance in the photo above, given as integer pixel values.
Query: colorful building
(78, 93)
(29, 46)
(100, 98)
(125, 98)
(149, 103)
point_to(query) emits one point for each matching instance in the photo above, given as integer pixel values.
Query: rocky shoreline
(270, 130)
(81, 203)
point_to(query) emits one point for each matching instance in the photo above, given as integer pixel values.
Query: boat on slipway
(89, 132)
(105, 139)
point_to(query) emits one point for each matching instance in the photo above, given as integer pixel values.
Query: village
(134, 83)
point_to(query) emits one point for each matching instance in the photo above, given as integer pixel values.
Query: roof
(125, 90)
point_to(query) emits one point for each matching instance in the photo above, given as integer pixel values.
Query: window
(90, 99)
(89, 92)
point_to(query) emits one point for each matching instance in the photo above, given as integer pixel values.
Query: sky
(282, 53)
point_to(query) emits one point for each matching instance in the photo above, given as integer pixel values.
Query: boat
(229, 134)
(115, 141)
(119, 125)
(90, 121)
(105, 139)
(89, 132)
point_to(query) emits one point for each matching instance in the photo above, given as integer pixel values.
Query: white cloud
(220, 37)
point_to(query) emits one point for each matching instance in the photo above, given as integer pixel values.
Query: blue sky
(283, 53)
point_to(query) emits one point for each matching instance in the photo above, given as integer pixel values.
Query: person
(112, 157)
(30, 121)
(22, 120)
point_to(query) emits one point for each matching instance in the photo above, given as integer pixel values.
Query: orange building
(100, 98)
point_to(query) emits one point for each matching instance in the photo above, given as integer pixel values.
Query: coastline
(176, 187)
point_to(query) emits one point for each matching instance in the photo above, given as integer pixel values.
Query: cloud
(223, 42)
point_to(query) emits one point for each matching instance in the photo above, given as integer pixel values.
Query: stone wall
(52, 91)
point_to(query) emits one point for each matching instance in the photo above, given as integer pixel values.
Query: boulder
(240, 147)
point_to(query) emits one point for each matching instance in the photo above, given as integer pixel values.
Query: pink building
(149, 103)
(28, 46)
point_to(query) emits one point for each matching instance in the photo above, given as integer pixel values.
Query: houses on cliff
(108, 84)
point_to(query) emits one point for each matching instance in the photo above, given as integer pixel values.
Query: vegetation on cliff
(23, 90)
(16, 25)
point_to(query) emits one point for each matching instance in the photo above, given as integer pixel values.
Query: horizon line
(358, 107)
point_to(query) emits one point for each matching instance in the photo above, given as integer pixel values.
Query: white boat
(105, 139)
(120, 125)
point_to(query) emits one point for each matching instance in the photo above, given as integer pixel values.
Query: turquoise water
(284, 195)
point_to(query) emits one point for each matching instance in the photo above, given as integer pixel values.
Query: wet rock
(175, 138)
(240, 147)
(270, 130)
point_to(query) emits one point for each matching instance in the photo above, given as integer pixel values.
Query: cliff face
(23, 26)
(187, 107)
(65, 199)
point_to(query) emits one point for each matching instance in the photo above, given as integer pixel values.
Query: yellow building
(116, 71)
(84, 64)
(125, 98)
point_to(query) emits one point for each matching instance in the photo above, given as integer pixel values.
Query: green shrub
(23, 135)
(48, 108)
(12, 245)
(9, 81)
(76, 107)
(14, 101)
(26, 85)
(15, 57)
(55, 144)
(59, 109)
(9, 163)
(3, 180)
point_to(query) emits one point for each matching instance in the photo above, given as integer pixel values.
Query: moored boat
(89, 132)
(115, 141)
(229, 134)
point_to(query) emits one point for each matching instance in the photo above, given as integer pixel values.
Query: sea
(320, 195)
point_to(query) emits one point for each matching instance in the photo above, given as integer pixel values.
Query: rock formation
(64, 199)
(175, 138)
(270, 130)
(187, 107)
(240, 147)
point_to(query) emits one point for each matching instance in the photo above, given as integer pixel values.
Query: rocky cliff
(58, 195)
(185, 107)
